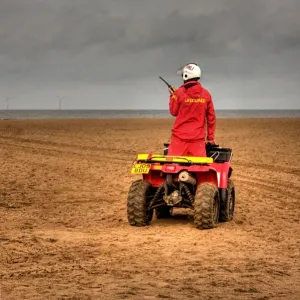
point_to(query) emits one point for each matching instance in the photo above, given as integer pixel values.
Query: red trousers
(182, 148)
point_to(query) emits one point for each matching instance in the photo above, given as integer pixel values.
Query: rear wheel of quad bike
(163, 212)
(206, 206)
(137, 203)
(227, 207)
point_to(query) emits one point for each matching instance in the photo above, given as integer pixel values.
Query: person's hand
(212, 142)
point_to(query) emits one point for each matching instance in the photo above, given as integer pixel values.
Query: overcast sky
(108, 54)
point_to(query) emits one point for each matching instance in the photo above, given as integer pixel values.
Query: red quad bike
(202, 184)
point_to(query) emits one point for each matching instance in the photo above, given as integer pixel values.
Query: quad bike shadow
(199, 184)
(176, 217)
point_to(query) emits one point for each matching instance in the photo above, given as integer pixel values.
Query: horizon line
(140, 109)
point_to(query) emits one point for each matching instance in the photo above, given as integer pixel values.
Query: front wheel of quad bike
(206, 206)
(163, 212)
(227, 207)
(137, 203)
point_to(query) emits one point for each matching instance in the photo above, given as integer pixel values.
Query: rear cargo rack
(220, 155)
(175, 159)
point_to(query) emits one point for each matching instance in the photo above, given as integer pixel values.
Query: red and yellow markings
(196, 100)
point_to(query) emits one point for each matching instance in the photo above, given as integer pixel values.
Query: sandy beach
(64, 232)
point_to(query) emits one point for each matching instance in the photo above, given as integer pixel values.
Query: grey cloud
(30, 28)
(34, 29)
(102, 41)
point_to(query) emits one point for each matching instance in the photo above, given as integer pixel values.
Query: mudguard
(224, 171)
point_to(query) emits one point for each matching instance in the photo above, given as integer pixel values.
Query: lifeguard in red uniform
(195, 121)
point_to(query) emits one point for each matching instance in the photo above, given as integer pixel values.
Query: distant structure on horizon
(7, 102)
(59, 102)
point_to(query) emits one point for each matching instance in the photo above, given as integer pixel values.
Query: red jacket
(192, 105)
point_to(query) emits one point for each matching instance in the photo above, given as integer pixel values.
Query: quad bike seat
(219, 154)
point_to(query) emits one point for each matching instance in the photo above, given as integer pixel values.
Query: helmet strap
(191, 79)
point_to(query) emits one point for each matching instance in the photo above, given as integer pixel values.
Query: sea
(118, 114)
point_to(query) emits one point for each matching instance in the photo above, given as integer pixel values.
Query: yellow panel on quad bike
(175, 159)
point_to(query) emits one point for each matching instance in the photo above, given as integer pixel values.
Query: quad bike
(202, 184)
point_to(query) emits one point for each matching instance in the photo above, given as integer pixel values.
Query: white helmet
(190, 71)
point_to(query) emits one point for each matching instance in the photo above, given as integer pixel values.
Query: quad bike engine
(175, 197)
(172, 199)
